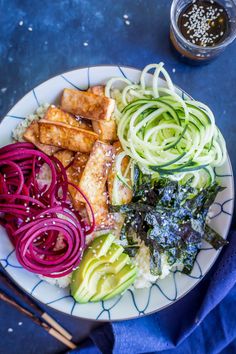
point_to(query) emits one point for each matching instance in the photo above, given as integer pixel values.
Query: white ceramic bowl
(133, 303)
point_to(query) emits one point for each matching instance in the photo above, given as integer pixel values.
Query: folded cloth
(203, 322)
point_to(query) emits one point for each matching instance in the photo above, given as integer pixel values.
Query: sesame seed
(200, 22)
(127, 22)
(21, 23)
(30, 29)
(85, 44)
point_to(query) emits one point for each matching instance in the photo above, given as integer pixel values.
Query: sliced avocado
(113, 253)
(98, 248)
(104, 271)
(124, 279)
(98, 273)
(120, 289)
(81, 279)
(112, 281)
(108, 281)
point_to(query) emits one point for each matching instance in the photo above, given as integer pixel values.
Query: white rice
(142, 261)
(62, 282)
(20, 129)
(44, 176)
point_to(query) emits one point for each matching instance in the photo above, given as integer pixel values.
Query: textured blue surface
(56, 44)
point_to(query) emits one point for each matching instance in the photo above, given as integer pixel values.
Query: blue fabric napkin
(203, 322)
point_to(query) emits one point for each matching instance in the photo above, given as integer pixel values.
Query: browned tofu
(77, 168)
(87, 104)
(65, 136)
(125, 194)
(74, 174)
(103, 219)
(97, 90)
(32, 135)
(84, 123)
(93, 182)
(55, 114)
(105, 130)
(65, 157)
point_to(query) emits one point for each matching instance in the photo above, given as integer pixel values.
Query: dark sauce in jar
(204, 23)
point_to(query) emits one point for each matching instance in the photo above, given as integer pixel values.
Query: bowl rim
(2, 269)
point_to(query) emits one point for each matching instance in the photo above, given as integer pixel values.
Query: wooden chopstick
(46, 317)
(38, 321)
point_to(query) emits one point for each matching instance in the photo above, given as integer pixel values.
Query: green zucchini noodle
(164, 133)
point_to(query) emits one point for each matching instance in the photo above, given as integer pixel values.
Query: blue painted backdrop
(39, 39)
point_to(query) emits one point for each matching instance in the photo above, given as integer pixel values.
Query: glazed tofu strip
(103, 219)
(87, 104)
(65, 157)
(65, 136)
(55, 114)
(97, 90)
(93, 182)
(105, 130)
(32, 135)
(74, 172)
(124, 193)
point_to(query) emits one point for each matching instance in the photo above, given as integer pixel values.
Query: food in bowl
(113, 187)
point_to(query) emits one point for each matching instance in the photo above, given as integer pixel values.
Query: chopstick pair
(38, 321)
(42, 319)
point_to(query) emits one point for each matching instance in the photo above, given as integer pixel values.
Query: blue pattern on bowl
(131, 304)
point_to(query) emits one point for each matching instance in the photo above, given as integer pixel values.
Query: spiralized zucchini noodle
(165, 133)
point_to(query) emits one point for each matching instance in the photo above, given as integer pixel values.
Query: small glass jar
(193, 52)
